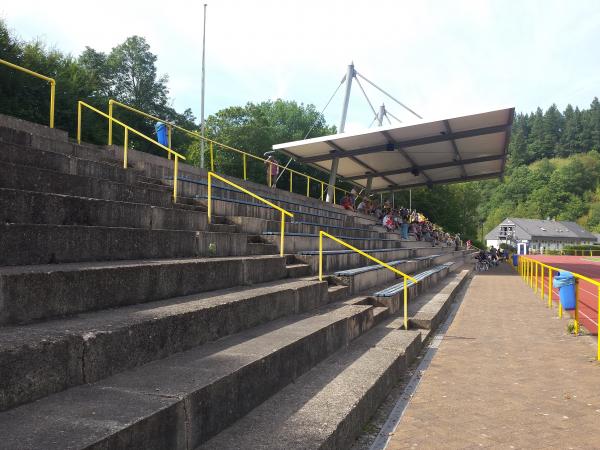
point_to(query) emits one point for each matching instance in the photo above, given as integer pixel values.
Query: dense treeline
(553, 169)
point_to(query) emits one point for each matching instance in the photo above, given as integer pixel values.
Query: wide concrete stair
(128, 321)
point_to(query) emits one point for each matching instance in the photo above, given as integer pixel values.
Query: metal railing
(532, 271)
(128, 129)
(283, 212)
(41, 77)
(372, 258)
(212, 145)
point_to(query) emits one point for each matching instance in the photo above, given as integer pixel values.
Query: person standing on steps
(272, 170)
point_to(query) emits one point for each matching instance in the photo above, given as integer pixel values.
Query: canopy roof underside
(424, 153)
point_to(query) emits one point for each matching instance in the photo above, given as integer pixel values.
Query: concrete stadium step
(329, 405)
(32, 293)
(362, 278)
(428, 310)
(16, 176)
(297, 242)
(43, 358)
(314, 228)
(183, 400)
(50, 244)
(28, 207)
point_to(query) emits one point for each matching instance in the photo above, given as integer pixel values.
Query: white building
(539, 234)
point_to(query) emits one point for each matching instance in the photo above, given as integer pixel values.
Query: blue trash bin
(515, 260)
(565, 282)
(161, 133)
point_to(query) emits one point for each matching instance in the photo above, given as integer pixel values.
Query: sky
(440, 58)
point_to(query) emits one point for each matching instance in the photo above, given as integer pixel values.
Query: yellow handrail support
(41, 77)
(283, 212)
(128, 129)
(211, 142)
(372, 258)
(529, 263)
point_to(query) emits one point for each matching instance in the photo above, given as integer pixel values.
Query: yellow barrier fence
(533, 273)
(127, 129)
(41, 77)
(212, 145)
(283, 212)
(366, 255)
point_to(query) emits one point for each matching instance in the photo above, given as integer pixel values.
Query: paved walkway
(506, 375)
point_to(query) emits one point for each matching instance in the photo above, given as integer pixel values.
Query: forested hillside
(553, 169)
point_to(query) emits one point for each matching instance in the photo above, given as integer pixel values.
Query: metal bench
(396, 288)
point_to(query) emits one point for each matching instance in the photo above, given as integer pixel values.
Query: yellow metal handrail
(372, 258)
(529, 268)
(127, 129)
(212, 143)
(283, 212)
(41, 77)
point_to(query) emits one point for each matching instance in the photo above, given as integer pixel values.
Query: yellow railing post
(175, 171)
(126, 141)
(52, 82)
(245, 167)
(576, 306)
(291, 177)
(549, 288)
(282, 234)
(212, 157)
(598, 325)
(542, 282)
(322, 190)
(79, 122)
(535, 287)
(308, 186)
(321, 257)
(52, 99)
(110, 123)
(405, 305)
(209, 194)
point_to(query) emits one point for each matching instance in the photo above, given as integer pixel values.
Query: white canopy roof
(471, 147)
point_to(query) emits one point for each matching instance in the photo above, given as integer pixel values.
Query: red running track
(588, 293)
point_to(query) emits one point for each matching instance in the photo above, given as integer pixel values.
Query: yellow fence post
(79, 122)
(320, 255)
(598, 325)
(542, 283)
(535, 287)
(282, 234)
(175, 172)
(549, 288)
(322, 190)
(110, 122)
(209, 194)
(308, 186)
(291, 177)
(125, 142)
(52, 99)
(245, 168)
(212, 157)
(405, 305)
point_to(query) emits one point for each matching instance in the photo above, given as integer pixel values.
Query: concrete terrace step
(30, 178)
(183, 400)
(43, 358)
(301, 242)
(38, 292)
(328, 406)
(20, 206)
(48, 244)
(427, 311)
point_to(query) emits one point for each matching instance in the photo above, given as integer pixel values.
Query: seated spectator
(363, 206)
(388, 222)
(347, 202)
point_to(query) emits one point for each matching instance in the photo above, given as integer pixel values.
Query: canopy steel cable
(393, 116)
(386, 93)
(368, 101)
(313, 125)
(387, 117)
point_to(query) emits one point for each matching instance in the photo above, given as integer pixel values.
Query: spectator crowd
(402, 220)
